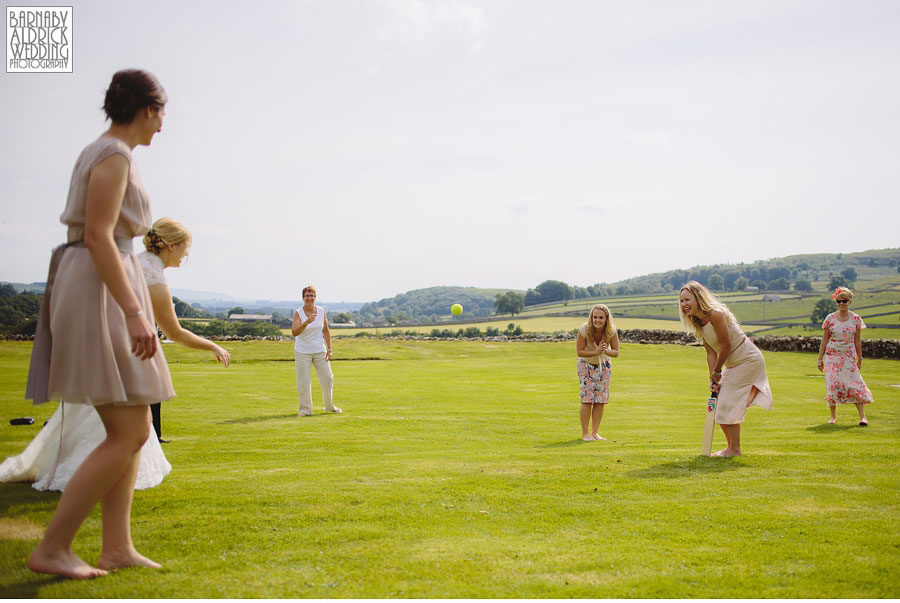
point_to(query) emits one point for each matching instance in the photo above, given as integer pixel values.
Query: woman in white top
(597, 341)
(166, 244)
(312, 347)
(743, 381)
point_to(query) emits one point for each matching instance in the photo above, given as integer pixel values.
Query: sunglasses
(842, 301)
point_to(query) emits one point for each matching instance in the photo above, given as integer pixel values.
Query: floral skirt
(594, 381)
(843, 383)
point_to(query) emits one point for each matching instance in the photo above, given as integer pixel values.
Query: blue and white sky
(370, 147)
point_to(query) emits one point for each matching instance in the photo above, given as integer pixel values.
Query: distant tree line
(18, 311)
(429, 304)
(222, 328)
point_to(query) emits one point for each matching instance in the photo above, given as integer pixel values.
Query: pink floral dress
(843, 382)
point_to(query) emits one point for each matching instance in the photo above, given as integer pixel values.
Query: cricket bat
(709, 427)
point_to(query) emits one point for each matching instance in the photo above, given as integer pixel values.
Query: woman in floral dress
(596, 343)
(840, 357)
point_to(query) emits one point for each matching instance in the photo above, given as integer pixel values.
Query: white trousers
(304, 363)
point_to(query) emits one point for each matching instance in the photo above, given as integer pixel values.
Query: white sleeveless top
(311, 340)
(734, 334)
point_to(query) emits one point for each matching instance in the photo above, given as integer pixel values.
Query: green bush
(824, 307)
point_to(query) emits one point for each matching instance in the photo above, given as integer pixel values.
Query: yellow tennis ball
(456, 309)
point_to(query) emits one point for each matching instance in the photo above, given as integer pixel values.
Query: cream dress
(90, 360)
(744, 368)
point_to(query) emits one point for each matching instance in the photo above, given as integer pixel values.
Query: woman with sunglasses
(840, 358)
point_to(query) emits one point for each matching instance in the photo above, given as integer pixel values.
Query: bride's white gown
(82, 432)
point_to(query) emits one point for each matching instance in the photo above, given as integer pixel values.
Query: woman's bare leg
(733, 432)
(861, 409)
(118, 549)
(585, 415)
(833, 418)
(597, 416)
(733, 437)
(127, 428)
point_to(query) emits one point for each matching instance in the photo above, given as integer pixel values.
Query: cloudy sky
(371, 147)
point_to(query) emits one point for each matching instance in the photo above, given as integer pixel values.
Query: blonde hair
(165, 231)
(707, 302)
(609, 329)
(840, 291)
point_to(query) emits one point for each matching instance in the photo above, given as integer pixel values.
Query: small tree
(511, 303)
(849, 274)
(716, 282)
(780, 284)
(802, 285)
(823, 308)
(236, 310)
(741, 283)
(836, 281)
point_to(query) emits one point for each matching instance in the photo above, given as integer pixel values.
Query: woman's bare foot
(132, 558)
(67, 565)
(598, 437)
(726, 452)
(832, 421)
(587, 438)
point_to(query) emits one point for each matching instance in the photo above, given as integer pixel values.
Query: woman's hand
(821, 365)
(714, 387)
(143, 338)
(328, 354)
(222, 356)
(716, 378)
(311, 317)
(602, 347)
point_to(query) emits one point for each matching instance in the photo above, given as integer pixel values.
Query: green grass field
(457, 470)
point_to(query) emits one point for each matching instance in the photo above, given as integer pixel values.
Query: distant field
(543, 324)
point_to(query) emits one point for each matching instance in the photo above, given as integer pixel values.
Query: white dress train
(82, 431)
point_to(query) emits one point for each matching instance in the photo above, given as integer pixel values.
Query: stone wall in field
(872, 348)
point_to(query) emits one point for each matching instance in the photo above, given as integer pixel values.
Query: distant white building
(770, 297)
(251, 318)
(341, 325)
(751, 288)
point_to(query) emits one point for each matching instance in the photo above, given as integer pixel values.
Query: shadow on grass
(567, 443)
(291, 360)
(826, 427)
(21, 494)
(682, 469)
(260, 419)
(30, 589)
